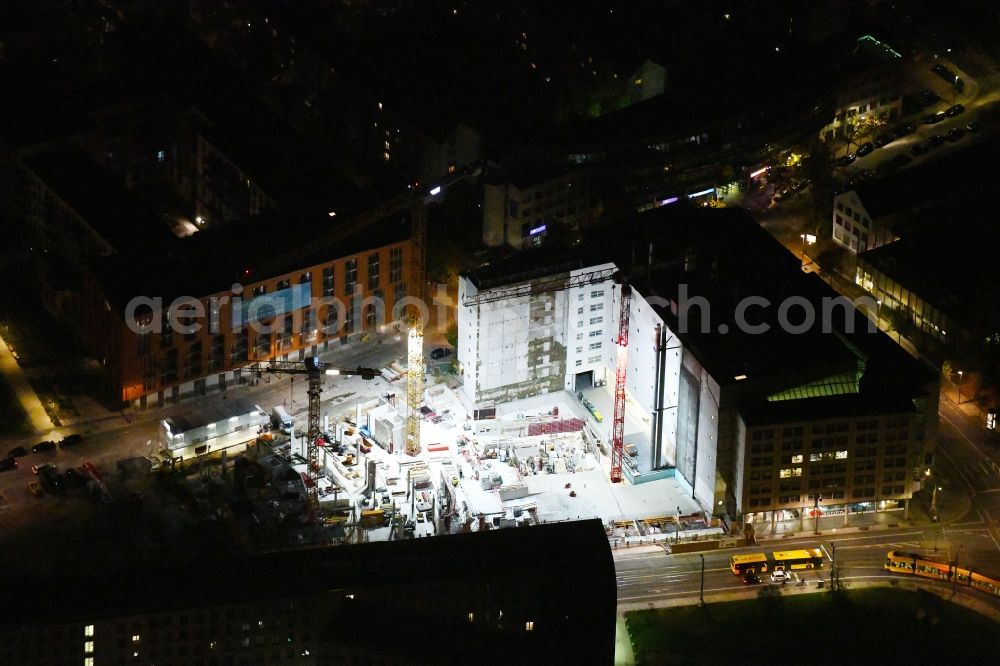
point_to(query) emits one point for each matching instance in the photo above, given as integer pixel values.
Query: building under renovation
(708, 380)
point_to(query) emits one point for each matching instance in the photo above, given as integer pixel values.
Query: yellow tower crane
(414, 386)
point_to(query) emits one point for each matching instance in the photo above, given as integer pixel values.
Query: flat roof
(823, 408)
(212, 260)
(118, 215)
(210, 412)
(424, 589)
(724, 257)
(949, 256)
(958, 174)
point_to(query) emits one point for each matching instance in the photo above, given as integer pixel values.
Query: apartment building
(253, 308)
(521, 212)
(871, 87)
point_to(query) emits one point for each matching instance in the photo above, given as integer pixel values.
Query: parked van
(281, 418)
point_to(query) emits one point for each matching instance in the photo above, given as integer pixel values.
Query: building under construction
(703, 394)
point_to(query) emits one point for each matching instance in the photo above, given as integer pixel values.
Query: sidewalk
(970, 599)
(623, 643)
(40, 421)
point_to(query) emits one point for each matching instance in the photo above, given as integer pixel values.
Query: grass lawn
(13, 421)
(875, 625)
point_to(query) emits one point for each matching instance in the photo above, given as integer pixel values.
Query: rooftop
(827, 407)
(957, 174)
(724, 257)
(424, 589)
(948, 258)
(98, 196)
(211, 261)
(211, 412)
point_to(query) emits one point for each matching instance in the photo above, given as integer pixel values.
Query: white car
(780, 576)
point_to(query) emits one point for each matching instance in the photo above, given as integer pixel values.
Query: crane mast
(314, 369)
(621, 365)
(414, 387)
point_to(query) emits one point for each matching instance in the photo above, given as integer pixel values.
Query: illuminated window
(451, 168)
(135, 638)
(841, 455)
(472, 616)
(797, 458)
(88, 661)
(529, 625)
(88, 647)
(638, 82)
(88, 630)
(385, 156)
(386, 144)
(789, 472)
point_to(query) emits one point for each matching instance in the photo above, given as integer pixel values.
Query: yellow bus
(756, 562)
(808, 558)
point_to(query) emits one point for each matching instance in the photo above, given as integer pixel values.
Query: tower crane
(560, 282)
(621, 365)
(414, 386)
(315, 370)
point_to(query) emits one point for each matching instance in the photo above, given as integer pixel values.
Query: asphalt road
(966, 453)
(650, 577)
(104, 447)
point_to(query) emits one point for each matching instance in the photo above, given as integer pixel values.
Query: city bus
(786, 560)
(920, 565)
(755, 562)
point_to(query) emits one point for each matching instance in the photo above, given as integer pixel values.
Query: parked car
(918, 149)
(51, 479)
(954, 110)
(928, 97)
(74, 478)
(7, 464)
(972, 126)
(35, 488)
(70, 440)
(780, 576)
(883, 140)
(751, 578)
(17, 452)
(956, 134)
(904, 130)
(43, 446)
(935, 118)
(845, 160)
(439, 353)
(901, 160)
(935, 141)
(865, 149)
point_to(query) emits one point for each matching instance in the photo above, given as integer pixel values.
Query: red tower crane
(621, 365)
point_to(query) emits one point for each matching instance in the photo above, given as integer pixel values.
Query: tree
(829, 262)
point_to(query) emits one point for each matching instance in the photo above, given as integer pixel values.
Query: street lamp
(960, 387)
(701, 592)
(878, 313)
(816, 511)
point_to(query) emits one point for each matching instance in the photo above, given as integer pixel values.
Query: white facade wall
(593, 325)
